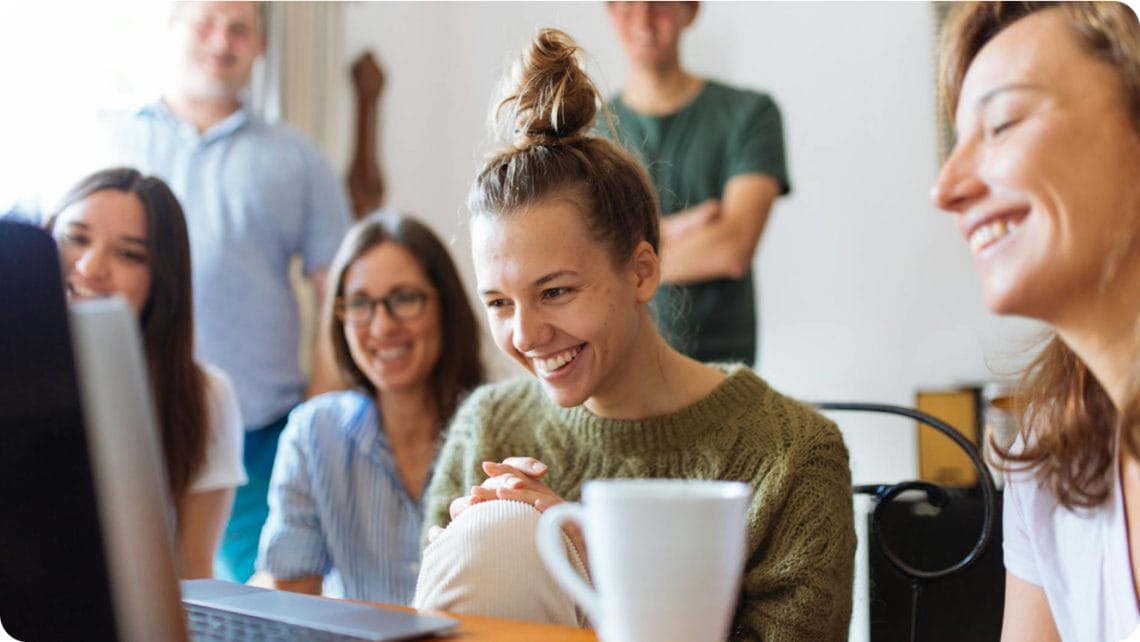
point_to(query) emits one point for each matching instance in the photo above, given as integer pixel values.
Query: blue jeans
(238, 551)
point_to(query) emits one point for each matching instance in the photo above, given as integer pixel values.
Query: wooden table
(472, 627)
(492, 629)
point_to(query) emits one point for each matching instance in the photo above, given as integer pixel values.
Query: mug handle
(553, 553)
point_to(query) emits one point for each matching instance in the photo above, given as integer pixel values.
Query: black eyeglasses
(401, 305)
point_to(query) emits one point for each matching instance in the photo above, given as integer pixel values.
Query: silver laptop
(87, 522)
(214, 607)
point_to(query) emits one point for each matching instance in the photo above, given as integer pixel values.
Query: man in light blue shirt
(255, 194)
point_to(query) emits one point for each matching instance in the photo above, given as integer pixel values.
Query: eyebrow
(539, 282)
(134, 239)
(130, 239)
(996, 91)
(403, 286)
(552, 276)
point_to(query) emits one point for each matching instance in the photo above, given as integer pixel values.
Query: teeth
(392, 353)
(557, 361)
(83, 292)
(987, 234)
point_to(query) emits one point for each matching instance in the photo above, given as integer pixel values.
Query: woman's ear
(646, 271)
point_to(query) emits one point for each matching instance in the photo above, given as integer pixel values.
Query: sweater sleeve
(797, 582)
(459, 466)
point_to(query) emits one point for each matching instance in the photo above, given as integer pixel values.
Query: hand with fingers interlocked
(516, 478)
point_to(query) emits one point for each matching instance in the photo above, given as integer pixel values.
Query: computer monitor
(86, 549)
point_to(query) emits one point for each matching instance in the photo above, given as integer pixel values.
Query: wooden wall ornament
(365, 185)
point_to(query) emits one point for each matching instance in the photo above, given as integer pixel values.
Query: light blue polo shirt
(255, 194)
(337, 506)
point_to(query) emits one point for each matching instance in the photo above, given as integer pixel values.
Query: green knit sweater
(801, 541)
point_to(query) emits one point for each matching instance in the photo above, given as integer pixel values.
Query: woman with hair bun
(564, 229)
(1043, 184)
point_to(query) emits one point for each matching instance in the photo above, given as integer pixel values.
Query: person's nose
(382, 322)
(958, 184)
(530, 330)
(92, 264)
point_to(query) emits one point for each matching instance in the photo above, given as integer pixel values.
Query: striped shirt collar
(366, 429)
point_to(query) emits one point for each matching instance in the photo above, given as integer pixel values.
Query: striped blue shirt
(337, 506)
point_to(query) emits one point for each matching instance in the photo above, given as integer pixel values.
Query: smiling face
(650, 32)
(1045, 170)
(216, 45)
(104, 249)
(394, 355)
(555, 302)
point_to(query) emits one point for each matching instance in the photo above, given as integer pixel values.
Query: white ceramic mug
(666, 556)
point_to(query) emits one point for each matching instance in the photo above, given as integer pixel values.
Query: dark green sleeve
(758, 147)
(459, 466)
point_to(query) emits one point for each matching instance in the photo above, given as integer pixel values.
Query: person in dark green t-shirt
(716, 156)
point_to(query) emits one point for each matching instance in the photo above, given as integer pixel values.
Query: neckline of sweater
(741, 391)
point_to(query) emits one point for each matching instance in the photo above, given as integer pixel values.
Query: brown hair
(1108, 30)
(166, 319)
(1067, 419)
(459, 368)
(549, 105)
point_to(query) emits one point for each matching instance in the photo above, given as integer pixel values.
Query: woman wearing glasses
(345, 499)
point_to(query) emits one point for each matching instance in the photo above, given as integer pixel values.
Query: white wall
(867, 292)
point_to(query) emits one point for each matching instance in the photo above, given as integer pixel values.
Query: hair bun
(548, 96)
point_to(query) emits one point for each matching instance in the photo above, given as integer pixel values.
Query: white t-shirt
(222, 467)
(1079, 557)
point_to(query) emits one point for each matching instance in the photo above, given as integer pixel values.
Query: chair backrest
(881, 496)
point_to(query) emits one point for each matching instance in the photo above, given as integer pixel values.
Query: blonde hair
(548, 107)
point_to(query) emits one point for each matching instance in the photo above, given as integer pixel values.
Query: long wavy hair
(166, 319)
(1067, 420)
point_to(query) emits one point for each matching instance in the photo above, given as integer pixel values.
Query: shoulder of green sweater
(512, 391)
(773, 409)
(491, 401)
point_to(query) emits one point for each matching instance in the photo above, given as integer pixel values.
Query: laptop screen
(87, 550)
(53, 578)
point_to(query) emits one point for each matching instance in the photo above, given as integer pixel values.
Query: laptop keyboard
(215, 625)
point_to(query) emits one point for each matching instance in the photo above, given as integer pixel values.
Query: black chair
(885, 494)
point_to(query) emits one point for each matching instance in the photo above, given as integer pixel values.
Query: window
(67, 69)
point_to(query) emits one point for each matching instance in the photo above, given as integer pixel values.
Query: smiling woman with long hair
(1044, 183)
(346, 499)
(122, 233)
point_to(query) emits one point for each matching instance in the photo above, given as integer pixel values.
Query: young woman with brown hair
(346, 496)
(1043, 182)
(122, 233)
(565, 237)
